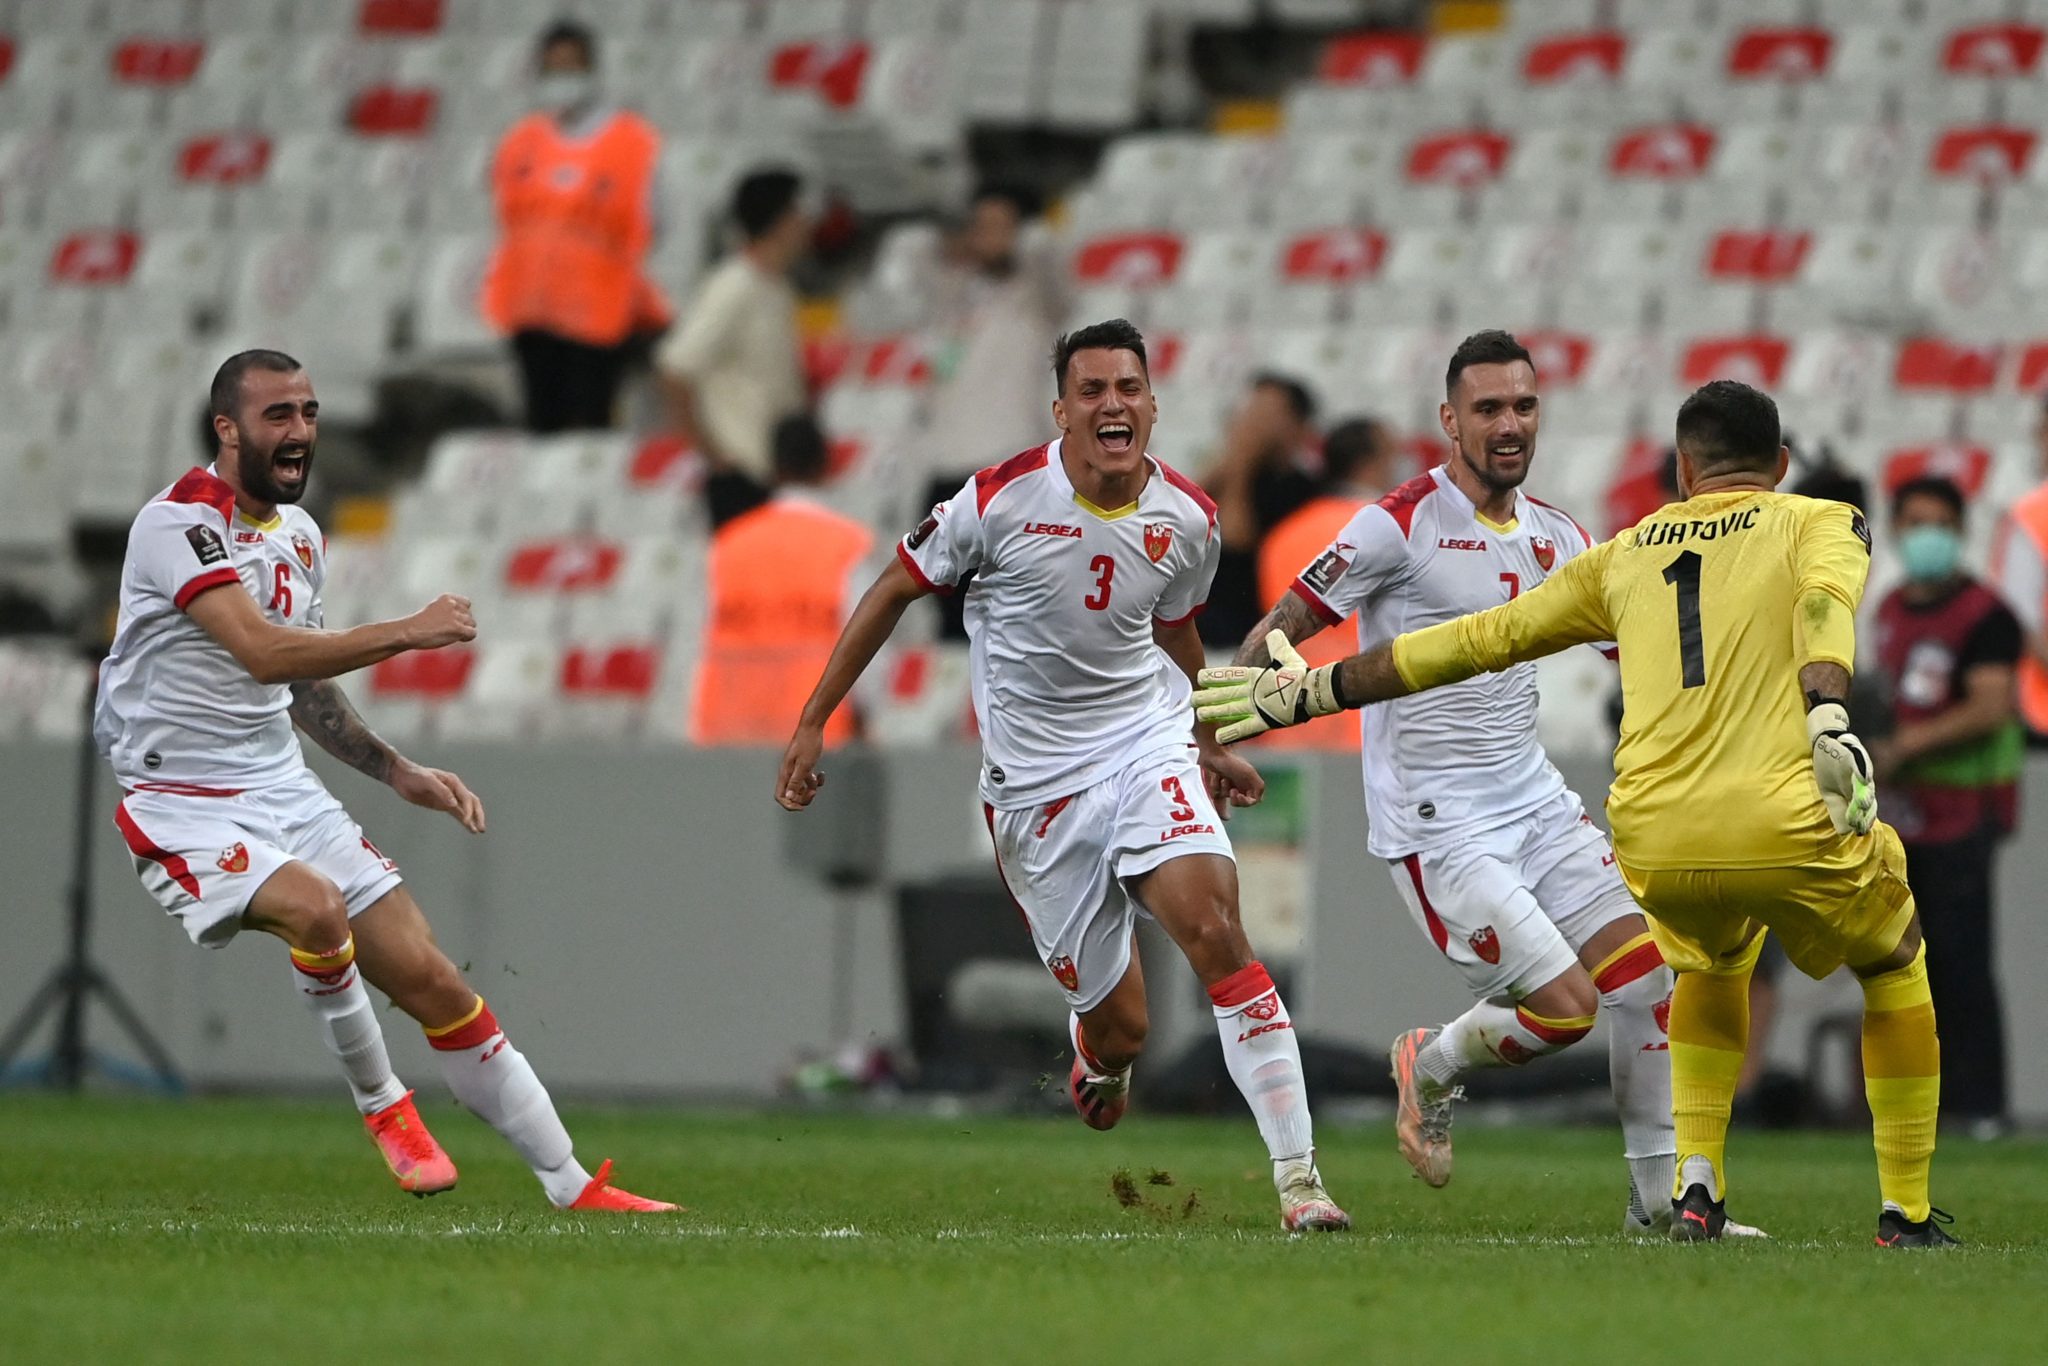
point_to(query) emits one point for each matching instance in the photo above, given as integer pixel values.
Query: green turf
(228, 1231)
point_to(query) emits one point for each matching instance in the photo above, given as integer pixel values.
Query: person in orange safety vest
(574, 187)
(2019, 570)
(781, 586)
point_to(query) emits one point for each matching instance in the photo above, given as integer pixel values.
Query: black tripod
(77, 980)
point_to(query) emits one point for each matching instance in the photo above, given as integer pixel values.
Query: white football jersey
(1068, 684)
(175, 709)
(1442, 764)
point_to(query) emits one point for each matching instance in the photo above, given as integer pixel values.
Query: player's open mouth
(1114, 436)
(290, 465)
(1508, 450)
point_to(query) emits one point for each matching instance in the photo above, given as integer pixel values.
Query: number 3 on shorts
(1183, 810)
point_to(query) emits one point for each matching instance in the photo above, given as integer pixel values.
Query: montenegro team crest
(1486, 944)
(1265, 1008)
(1546, 551)
(1063, 971)
(303, 548)
(1158, 540)
(235, 860)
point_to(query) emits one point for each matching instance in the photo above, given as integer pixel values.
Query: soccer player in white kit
(1493, 855)
(1090, 560)
(219, 651)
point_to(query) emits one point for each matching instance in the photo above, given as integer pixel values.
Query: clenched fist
(444, 621)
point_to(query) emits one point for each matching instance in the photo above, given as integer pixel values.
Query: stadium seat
(1673, 151)
(1779, 54)
(1372, 59)
(401, 18)
(1995, 51)
(1986, 152)
(1756, 359)
(1461, 157)
(1947, 366)
(446, 317)
(1767, 256)
(1967, 466)
(393, 111)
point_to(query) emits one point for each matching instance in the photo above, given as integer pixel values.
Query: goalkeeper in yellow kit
(1740, 800)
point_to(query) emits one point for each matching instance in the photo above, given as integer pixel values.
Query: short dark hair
(1350, 446)
(227, 381)
(1300, 402)
(800, 452)
(1929, 486)
(763, 197)
(1725, 425)
(1117, 334)
(1026, 201)
(568, 31)
(1491, 347)
(1837, 485)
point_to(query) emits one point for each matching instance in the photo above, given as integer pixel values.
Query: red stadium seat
(1163, 353)
(394, 111)
(1982, 152)
(1372, 59)
(1671, 151)
(1129, 258)
(6, 56)
(97, 256)
(1334, 255)
(425, 674)
(2031, 376)
(1757, 359)
(225, 159)
(1780, 54)
(1638, 488)
(400, 17)
(661, 460)
(890, 360)
(1965, 466)
(1561, 357)
(157, 61)
(1999, 50)
(1939, 364)
(1469, 156)
(610, 671)
(569, 565)
(1575, 57)
(1766, 256)
(833, 69)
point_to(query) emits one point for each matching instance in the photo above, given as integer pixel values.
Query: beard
(259, 469)
(1499, 480)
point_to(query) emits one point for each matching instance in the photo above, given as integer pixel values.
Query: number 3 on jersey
(1104, 570)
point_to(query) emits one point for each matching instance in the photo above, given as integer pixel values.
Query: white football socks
(1492, 1035)
(494, 1081)
(1635, 994)
(1264, 1060)
(333, 991)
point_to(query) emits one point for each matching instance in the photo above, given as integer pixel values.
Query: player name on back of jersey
(1695, 528)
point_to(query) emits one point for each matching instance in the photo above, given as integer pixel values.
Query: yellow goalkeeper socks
(1709, 1034)
(1902, 1081)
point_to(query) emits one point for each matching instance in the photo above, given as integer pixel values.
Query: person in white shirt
(1493, 855)
(1090, 560)
(730, 370)
(219, 651)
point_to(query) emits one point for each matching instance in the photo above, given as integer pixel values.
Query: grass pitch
(231, 1231)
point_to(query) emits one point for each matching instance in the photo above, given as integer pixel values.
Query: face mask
(1930, 553)
(564, 89)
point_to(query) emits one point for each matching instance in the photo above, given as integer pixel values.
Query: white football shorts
(1511, 907)
(203, 857)
(1066, 863)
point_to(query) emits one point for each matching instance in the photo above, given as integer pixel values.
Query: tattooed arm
(322, 711)
(1291, 615)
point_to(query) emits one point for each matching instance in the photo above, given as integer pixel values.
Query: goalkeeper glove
(1245, 702)
(1848, 785)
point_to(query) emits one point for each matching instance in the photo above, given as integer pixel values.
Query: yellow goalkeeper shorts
(1851, 905)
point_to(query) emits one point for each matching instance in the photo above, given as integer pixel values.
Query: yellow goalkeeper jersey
(1716, 603)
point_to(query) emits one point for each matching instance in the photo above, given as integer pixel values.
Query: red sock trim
(1242, 987)
(1637, 962)
(471, 1035)
(1550, 1033)
(1088, 1058)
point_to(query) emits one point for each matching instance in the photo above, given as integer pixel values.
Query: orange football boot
(409, 1150)
(602, 1194)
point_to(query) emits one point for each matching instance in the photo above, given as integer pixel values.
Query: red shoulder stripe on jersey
(1403, 501)
(1193, 490)
(1184, 619)
(923, 581)
(142, 846)
(989, 482)
(212, 578)
(1315, 600)
(198, 486)
(1584, 535)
